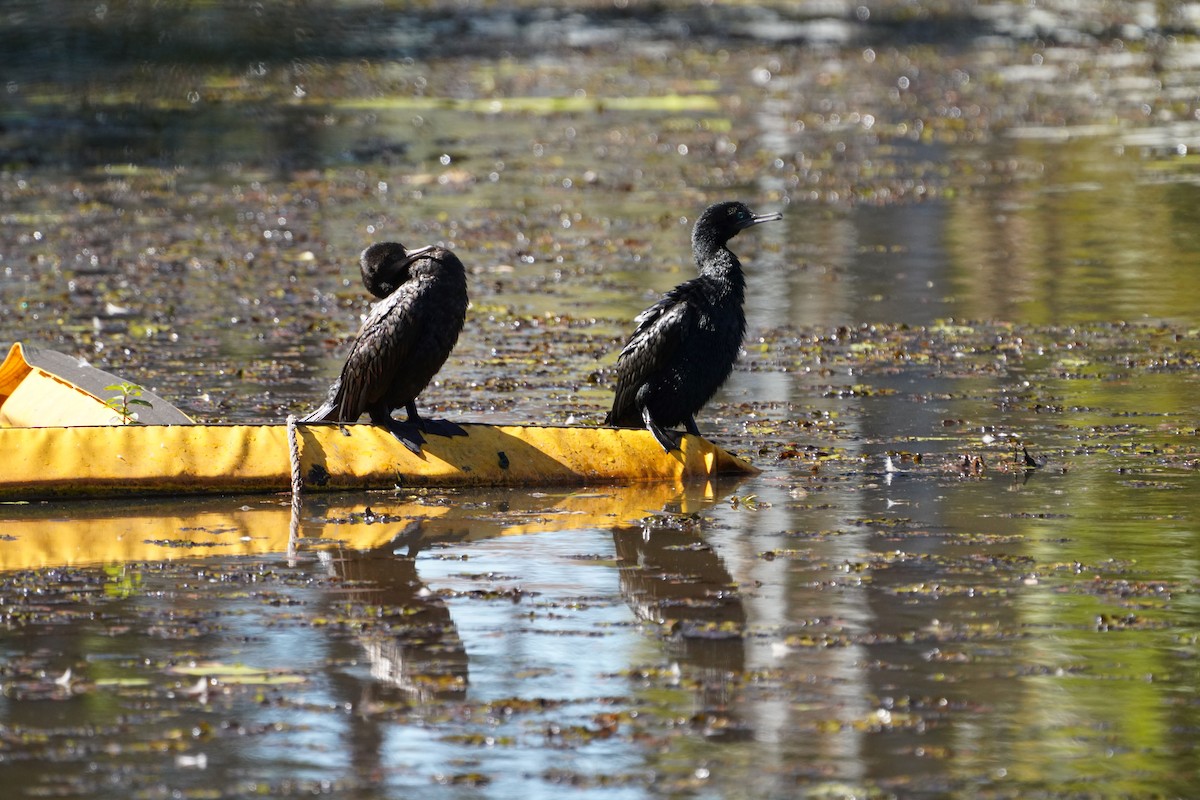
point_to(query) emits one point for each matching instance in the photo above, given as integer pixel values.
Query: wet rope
(297, 483)
(294, 456)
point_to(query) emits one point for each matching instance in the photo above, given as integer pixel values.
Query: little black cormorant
(685, 344)
(403, 342)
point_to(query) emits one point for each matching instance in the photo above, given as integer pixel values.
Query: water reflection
(407, 633)
(672, 579)
(401, 630)
(349, 634)
(47, 534)
(926, 629)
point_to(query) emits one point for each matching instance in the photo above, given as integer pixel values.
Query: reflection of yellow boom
(107, 531)
(84, 454)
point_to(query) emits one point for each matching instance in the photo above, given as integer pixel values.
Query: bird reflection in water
(671, 578)
(406, 631)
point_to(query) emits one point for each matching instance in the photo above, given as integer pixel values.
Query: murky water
(989, 242)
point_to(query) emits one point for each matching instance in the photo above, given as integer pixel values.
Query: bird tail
(326, 413)
(615, 419)
(330, 410)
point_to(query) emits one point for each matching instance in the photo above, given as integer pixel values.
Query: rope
(297, 484)
(294, 456)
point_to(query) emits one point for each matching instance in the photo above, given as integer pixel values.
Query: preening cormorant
(685, 344)
(403, 342)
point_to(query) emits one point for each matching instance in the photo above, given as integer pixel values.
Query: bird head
(720, 222)
(385, 266)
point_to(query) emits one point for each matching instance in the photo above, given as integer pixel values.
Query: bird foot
(671, 441)
(441, 427)
(408, 433)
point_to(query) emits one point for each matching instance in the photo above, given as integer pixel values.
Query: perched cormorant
(685, 344)
(403, 342)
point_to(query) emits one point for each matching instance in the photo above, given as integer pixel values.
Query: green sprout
(128, 395)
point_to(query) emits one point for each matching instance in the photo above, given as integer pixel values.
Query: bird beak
(760, 218)
(412, 255)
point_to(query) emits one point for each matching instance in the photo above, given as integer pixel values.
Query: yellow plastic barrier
(77, 451)
(42, 387)
(198, 459)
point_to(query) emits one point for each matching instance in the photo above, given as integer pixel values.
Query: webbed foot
(669, 440)
(408, 433)
(441, 427)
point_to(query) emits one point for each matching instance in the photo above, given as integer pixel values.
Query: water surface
(988, 248)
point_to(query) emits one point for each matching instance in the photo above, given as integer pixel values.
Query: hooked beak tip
(758, 219)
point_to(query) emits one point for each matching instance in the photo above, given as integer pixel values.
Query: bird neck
(718, 263)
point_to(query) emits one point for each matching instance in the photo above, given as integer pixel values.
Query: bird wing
(380, 350)
(660, 329)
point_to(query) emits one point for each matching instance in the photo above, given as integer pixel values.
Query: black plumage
(384, 266)
(403, 342)
(685, 345)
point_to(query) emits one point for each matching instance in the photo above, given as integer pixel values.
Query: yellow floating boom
(96, 459)
(182, 459)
